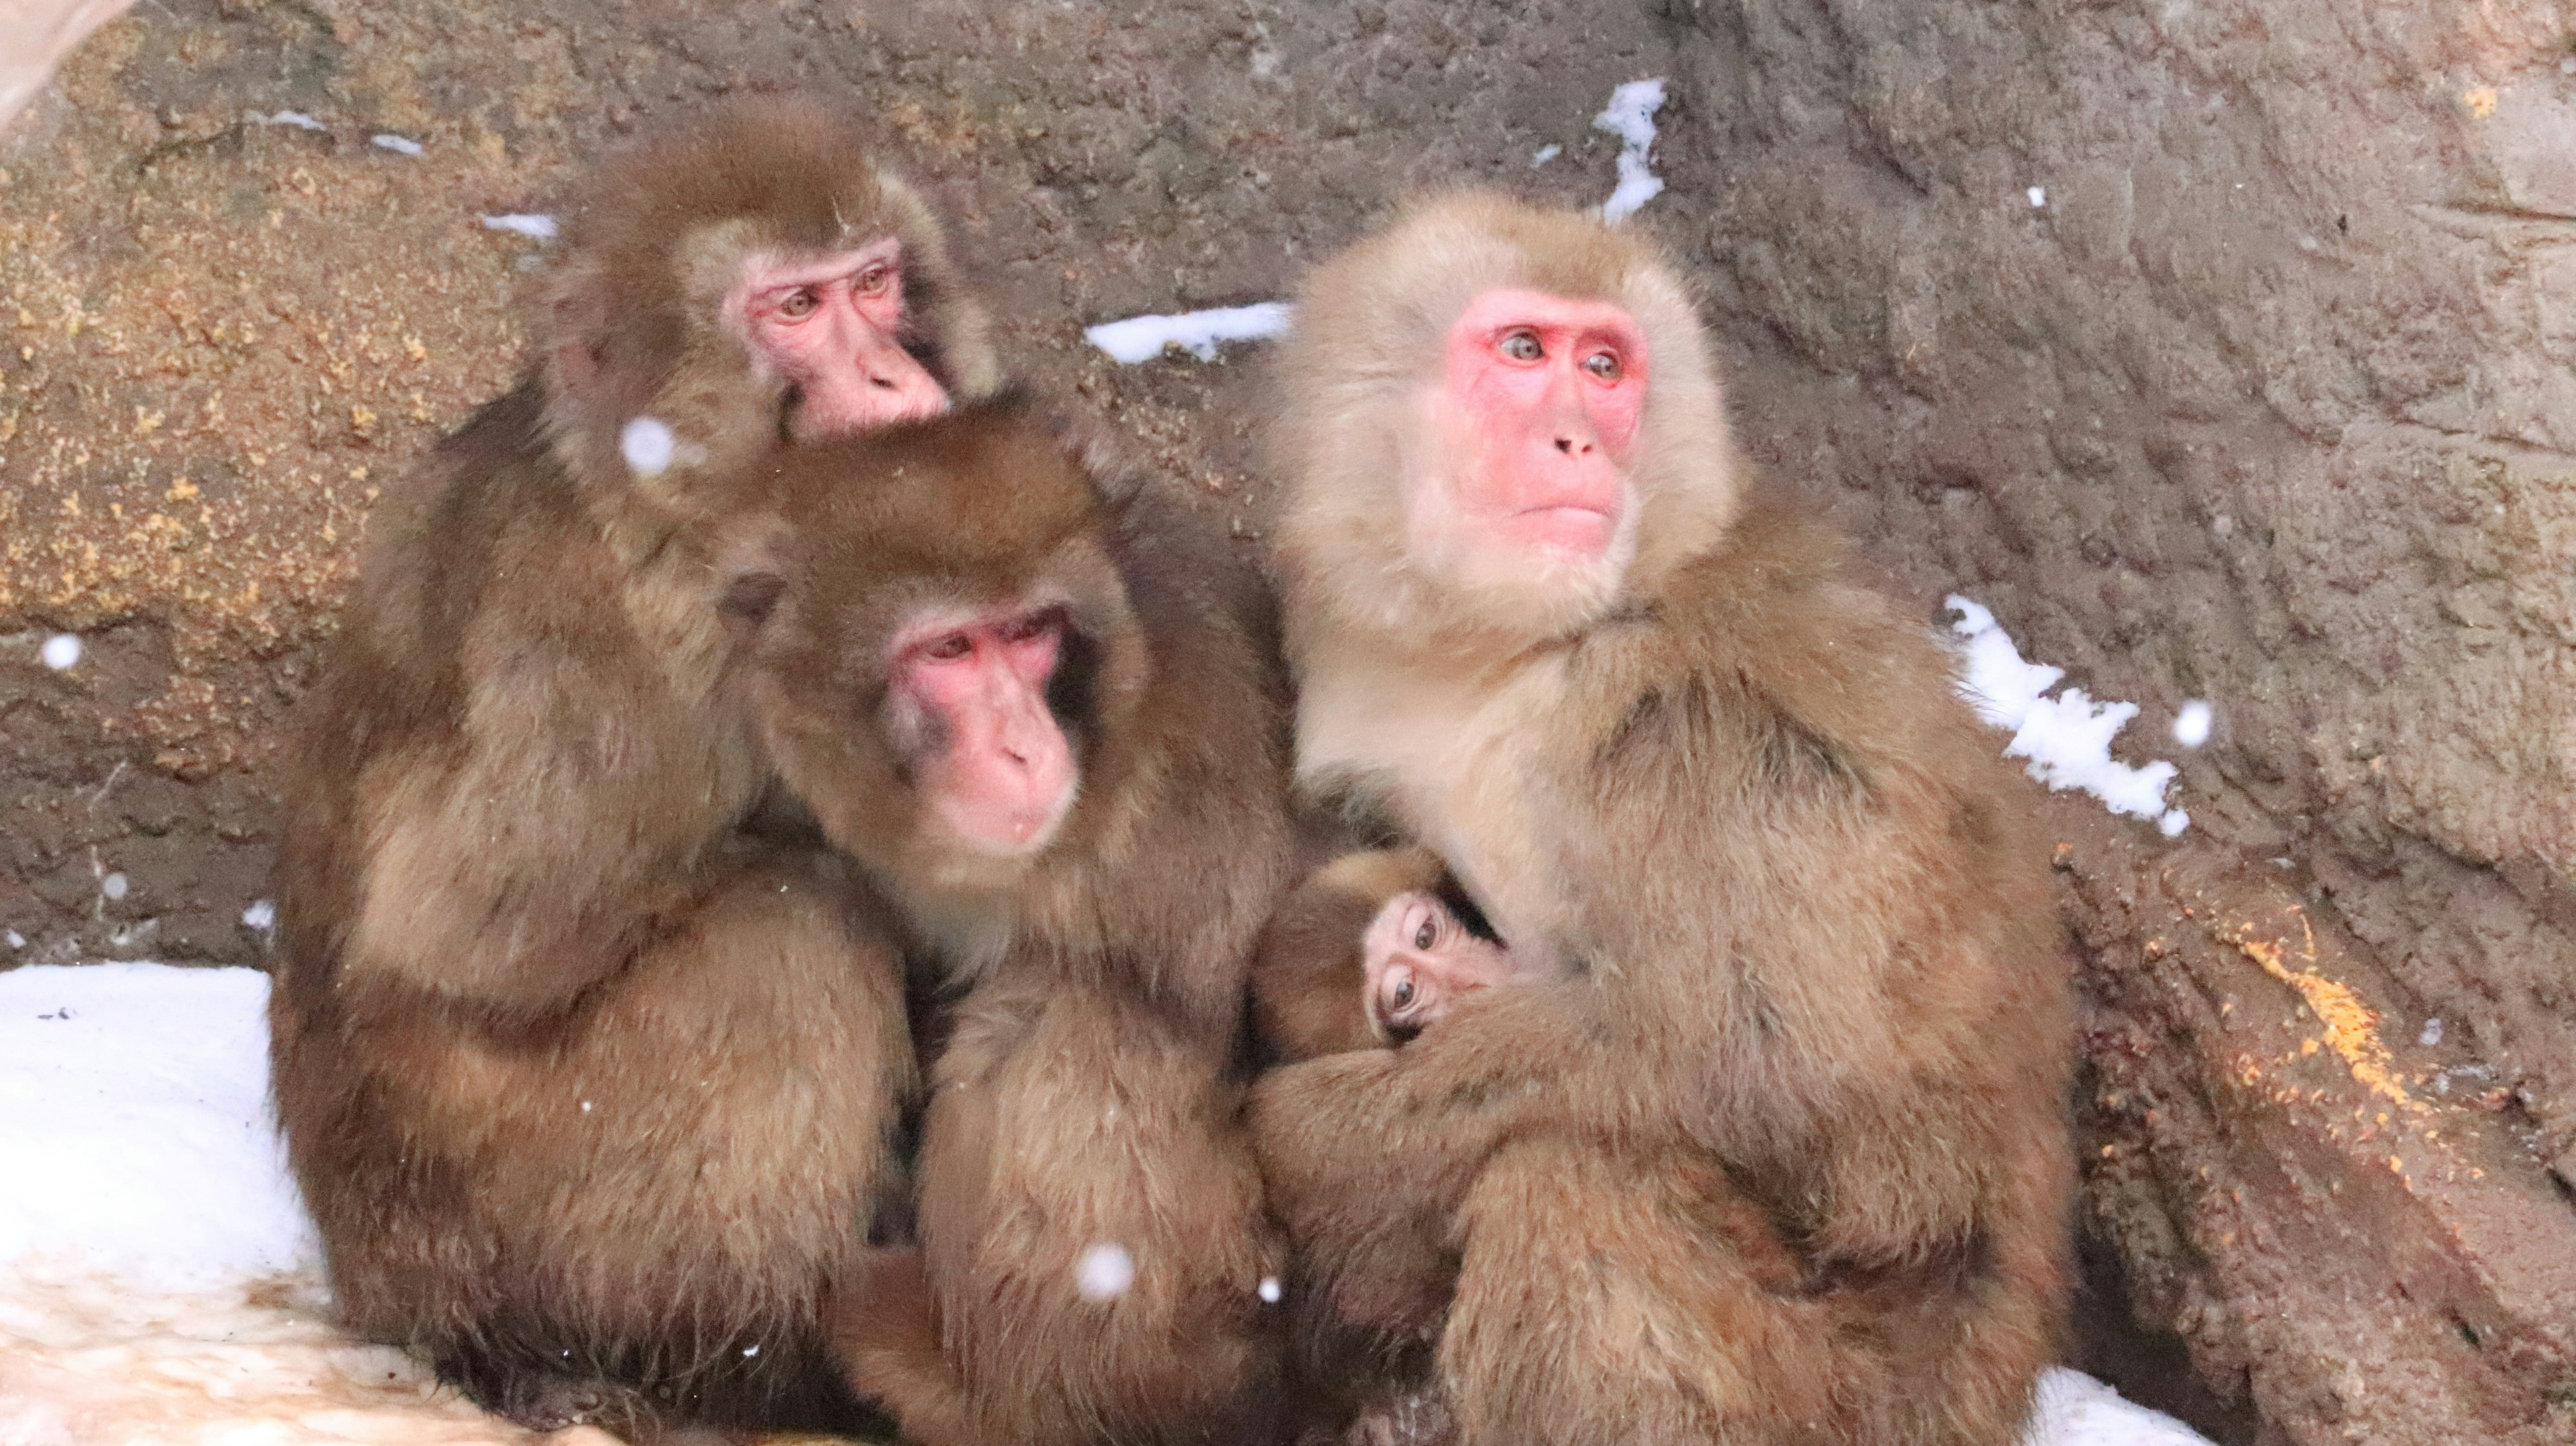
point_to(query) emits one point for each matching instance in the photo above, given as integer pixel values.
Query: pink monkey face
(834, 326)
(1545, 395)
(1418, 961)
(969, 697)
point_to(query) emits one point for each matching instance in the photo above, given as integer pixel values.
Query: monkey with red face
(589, 1054)
(1775, 1151)
(1064, 763)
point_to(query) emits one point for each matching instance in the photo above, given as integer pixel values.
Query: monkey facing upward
(1781, 1155)
(1066, 764)
(589, 1090)
(1373, 949)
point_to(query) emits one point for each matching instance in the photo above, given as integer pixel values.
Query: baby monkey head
(940, 649)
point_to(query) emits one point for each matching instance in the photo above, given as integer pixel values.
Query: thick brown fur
(1087, 1094)
(1783, 1158)
(1308, 973)
(591, 1092)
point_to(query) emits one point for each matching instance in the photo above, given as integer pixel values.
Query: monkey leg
(656, 1192)
(1093, 1237)
(1643, 1300)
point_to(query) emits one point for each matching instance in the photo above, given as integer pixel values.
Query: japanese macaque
(1372, 950)
(588, 1059)
(1066, 763)
(1781, 1155)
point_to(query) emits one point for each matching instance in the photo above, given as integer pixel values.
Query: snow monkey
(1039, 729)
(1542, 625)
(1371, 951)
(587, 1061)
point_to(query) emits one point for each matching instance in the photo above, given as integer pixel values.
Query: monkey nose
(1574, 447)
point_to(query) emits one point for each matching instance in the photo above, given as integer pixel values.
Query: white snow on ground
(62, 650)
(295, 118)
(2074, 1409)
(1631, 117)
(1142, 338)
(399, 145)
(541, 228)
(2066, 738)
(158, 1280)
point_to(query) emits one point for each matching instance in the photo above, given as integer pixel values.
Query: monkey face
(937, 641)
(1544, 394)
(1419, 960)
(832, 325)
(967, 705)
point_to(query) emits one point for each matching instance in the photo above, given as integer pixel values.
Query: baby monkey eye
(1404, 994)
(798, 304)
(1426, 936)
(955, 645)
(873, 280)
(1604, 365)
(1521, 345)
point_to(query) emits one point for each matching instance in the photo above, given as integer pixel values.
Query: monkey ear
(577, 319)
(749, 600)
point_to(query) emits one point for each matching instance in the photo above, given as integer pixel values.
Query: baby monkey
(1390, 928)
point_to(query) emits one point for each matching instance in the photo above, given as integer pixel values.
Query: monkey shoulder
(1777, 613)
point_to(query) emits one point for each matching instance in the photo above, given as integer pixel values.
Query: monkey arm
(1368, 1155)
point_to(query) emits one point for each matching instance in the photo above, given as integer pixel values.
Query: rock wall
(2224, 349)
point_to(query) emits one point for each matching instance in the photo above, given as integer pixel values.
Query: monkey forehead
(767, 269)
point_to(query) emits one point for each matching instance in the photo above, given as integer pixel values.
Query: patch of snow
(2038, 197)
(2067, 738)
(1200, 333)
(524, 223)
(62, 650)
(2432, 1034)
(2071, 1408)
(16, 939)
(115, 886)
(295, 118)
(262, 914)
(1104, 1272)
(1268, 1290)
(1545, 155)
(647, 445)
(170, 1065)
(2191, 725)
(1631, 117)
(399, 145)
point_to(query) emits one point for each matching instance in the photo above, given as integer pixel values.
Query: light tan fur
(589, 1061)
(1783, 1158)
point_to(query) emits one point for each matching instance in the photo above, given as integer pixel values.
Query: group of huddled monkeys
(763, 913)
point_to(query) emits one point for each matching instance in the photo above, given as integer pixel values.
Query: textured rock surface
(2227, 350)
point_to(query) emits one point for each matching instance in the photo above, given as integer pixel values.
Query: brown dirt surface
(2270, 400)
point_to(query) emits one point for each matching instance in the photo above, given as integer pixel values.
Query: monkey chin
(1535, 587)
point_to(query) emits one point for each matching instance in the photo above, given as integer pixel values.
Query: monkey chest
(1459, 763)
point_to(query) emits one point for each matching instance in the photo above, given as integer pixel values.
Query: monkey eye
(949, 648)
(798, 304)
(1404, 994)
(1604, 365)
(873, 280)
(1521, 345)
(1426, 936)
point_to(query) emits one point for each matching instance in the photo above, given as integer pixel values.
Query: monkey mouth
(1581, 529)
